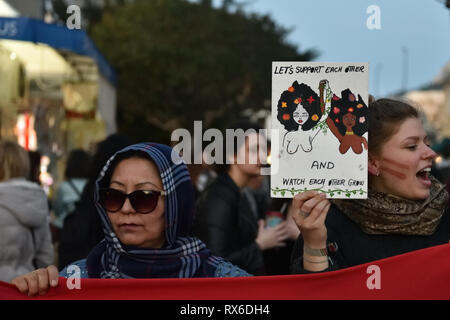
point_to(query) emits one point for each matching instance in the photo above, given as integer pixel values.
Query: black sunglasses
(142, 201)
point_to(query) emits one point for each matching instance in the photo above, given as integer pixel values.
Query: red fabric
(422, 274)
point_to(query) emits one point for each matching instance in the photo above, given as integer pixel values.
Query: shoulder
(226, 269)
(222, 190)
(220, 193)
(22, 184)
(70, 269)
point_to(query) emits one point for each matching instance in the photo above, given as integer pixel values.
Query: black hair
(289, 99)
(349, 104)
(35, 166)
(78, 164)
(105, 150)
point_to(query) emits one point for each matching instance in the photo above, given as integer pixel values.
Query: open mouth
(424, 176)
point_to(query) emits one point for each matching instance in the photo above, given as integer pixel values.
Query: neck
(240, 178)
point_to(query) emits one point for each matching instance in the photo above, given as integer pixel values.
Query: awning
(6, 10)
(56, 36)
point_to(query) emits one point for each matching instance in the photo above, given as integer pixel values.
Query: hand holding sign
(310, 211)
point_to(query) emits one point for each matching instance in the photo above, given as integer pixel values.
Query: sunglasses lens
(112, 200)
(144, 201)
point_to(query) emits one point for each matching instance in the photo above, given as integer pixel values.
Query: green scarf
(383, 213)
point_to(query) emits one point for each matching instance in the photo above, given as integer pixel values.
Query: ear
(374, 166)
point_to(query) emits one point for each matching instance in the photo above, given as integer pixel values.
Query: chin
(424, 195)
(141, 243)
(420, 195)
(129, 241)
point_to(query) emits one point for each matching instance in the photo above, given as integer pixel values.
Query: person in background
(201, 174)
(35, 166)
(406, 208)
(146, 205)
(69, 191)
(225, 220)
(25, 239)
(82, 230)
(278, 260)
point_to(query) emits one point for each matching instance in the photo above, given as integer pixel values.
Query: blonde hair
(14, 161)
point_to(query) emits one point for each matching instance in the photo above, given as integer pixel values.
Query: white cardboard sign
(320, 122)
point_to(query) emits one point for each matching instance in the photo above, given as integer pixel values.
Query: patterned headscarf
(182, 256)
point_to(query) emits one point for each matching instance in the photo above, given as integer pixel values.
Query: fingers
(32, 283)
(298, 212)
(281, 232)
(261, 225)
(305, 204)
(274, 237)
(300, 198)
(20, 284)
(43, 282)
(309, 205)
(53, 275)
(38, 281)
(280, 227)
(317, 210)
(323, 215)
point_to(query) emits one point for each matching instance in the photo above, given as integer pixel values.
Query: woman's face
(405, 163)
(248, 157)
(300, 115)
(137, 229)
(349, 120)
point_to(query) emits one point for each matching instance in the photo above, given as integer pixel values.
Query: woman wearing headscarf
(146, 204)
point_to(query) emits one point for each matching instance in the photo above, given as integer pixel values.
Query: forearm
(334, 129)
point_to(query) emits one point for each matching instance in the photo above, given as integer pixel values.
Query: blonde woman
(25, 239)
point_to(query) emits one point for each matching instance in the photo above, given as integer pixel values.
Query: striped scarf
(182, 256)
(383, 213)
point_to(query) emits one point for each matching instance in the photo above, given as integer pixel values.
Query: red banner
(422, 274)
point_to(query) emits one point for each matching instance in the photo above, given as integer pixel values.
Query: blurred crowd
(234, 214)
(39, 230)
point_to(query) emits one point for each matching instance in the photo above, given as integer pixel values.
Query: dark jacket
(226, 224)
(82, 229)
(355, 247)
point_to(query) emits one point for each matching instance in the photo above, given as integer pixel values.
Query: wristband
(323, 252)
(315, 262)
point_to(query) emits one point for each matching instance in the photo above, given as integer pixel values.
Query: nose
(127, 208)
(429, 153)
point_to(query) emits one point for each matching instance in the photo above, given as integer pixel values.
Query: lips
(129, 225)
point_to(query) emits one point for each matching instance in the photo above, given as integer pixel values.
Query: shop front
(57, 92)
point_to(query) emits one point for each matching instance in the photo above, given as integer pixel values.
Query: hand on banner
(38, 281)
(310, 209)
